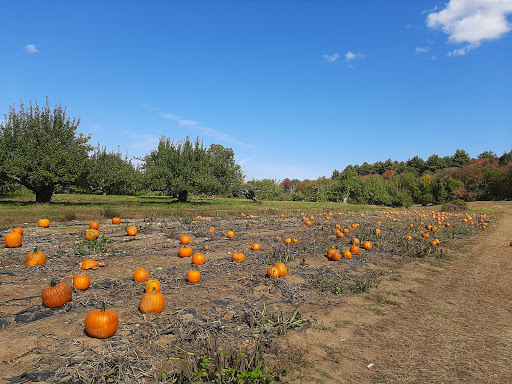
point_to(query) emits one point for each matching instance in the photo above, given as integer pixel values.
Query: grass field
(67, 207)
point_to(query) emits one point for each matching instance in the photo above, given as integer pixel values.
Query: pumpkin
(330, 252)
(211, 230)
(255, 247)
(81, 282)
(91, 234)
(185, 252)
(89, 264)
(35, 257)
(355, 241)
(56, 294)
(152, 284)
(311, 218)
(283, 271)
(184, 240)
(101, 323)
(367, 245)
(230, 234)
(378, 231)
(131, 230)
(408, 237)
(198, 259)
(346, 230)
(425, 235)
(308, 222)
(295, 241)
(152, 302)
(336, 256)
(141, 275)
(340, 234)
(193, 276)
(355, 250)
(273, 272)
(116, 220)
(94, 225)
(19, 230)
(13, 240)
(45, 223)
(287, 241)
(238, 256)
(347, 255)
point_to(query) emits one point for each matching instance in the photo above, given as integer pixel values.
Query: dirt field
(402, 312)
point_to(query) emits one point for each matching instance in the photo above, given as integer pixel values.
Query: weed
(342, 323)
(92, 246)
(363, 285)
(277, 320)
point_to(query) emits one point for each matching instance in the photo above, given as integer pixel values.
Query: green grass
(15, 210)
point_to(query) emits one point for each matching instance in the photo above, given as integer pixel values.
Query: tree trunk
(44, 195)
(182, 196)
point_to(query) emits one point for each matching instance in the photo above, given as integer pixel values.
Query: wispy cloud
(349, 56)
(31, 48)
(471, 22)
(422, 49)
(192, 124)
(143, 141)
(332, 58)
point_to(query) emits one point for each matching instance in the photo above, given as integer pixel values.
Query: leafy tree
(417, 163)
(506, 158)
(265, 189)
(439, 191)
(183, 167)
(434, 163)
(488, 155)
(40, 149)
(461, 158)
(109, 173)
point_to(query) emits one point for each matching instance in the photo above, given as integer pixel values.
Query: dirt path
(440, 322)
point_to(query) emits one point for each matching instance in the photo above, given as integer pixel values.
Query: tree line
(41, 150)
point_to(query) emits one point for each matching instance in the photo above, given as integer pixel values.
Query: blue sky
(296, 88)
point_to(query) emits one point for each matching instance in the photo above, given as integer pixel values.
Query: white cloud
(349, 56)
(31, 48)
(422, 49)
(188, 123)
(472, 21)
(169, 116)
(143, 141)
(331, 59)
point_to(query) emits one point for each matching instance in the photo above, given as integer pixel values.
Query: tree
(417, 163)
(109, 173)
(40, 149)
(434, 163)
(506, 158)
(488, 155)
(183, 167)
(461, 158)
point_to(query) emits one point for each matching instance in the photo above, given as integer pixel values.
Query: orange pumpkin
(330, 252)
(13, 240)
(308, 222)
(91, 234)
(211, 230)
(346, 231)
(56, 294)
(255, 247)
(238, 256)
(152, 284)
(347, 255)
(367, 245)
(295, 241)
(141, 275)
(81, 282)
(184, 240)
(198, 259)
(116, 220)
(355, 241)
(355, 250)
(185, 252)
(340, 234)
(89, 264)
(336, 256)
(35, 257)
(193, 276)
(19, 230)
(101, 323)
(132, 230)
(287, 241)
(408, 238)
(273, 272)
(378, 231)
(94, 225)
(152, 302)
(45, 223)
(230, 234)
(283, 271)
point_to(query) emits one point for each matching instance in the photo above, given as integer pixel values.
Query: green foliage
(109, 173)
(264, 189)
(461, 158)
(40, 149)
(180, 168)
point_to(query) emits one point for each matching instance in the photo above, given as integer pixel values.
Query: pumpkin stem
(154, 289)
(54, 282)
(102, 307)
